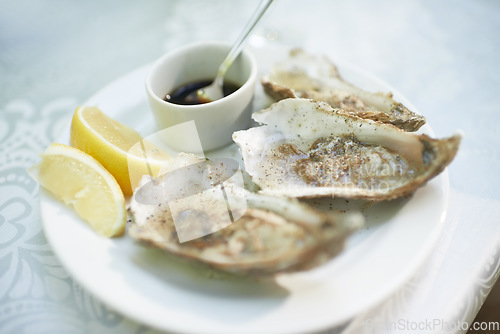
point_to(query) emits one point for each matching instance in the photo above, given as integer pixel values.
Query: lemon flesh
(119, 148)
(80, 181)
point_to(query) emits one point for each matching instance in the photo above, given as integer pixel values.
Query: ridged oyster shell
(272, 234)
(308, 149)
(316, 77)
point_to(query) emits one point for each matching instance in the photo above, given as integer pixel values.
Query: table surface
(442, 55)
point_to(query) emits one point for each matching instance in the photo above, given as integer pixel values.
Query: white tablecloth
(442, 55)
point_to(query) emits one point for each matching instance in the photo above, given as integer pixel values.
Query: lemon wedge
(120, 149)
(80, 181)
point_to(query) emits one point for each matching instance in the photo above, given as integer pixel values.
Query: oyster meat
(249, 233)
(316, 77)
(308, 149)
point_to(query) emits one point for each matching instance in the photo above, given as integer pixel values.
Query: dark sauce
(180, 94)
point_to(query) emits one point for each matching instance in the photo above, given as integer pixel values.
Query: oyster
(308, 149)
(315, 77)
(267, 235)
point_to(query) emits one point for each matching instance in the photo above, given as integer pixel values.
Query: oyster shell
(271, 235)
(308, 149)
(316, 77)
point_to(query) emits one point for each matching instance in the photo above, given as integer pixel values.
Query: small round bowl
(215, 121)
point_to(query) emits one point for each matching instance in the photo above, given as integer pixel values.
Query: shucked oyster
(315, 77)
(308, 149)
(236, 230)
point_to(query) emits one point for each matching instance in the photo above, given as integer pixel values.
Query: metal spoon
(214, 91)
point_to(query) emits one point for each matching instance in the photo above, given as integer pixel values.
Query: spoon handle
(242, 39)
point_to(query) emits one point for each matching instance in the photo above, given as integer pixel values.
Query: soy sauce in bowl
(179, 95)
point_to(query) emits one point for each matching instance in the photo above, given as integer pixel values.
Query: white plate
(150, 287)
